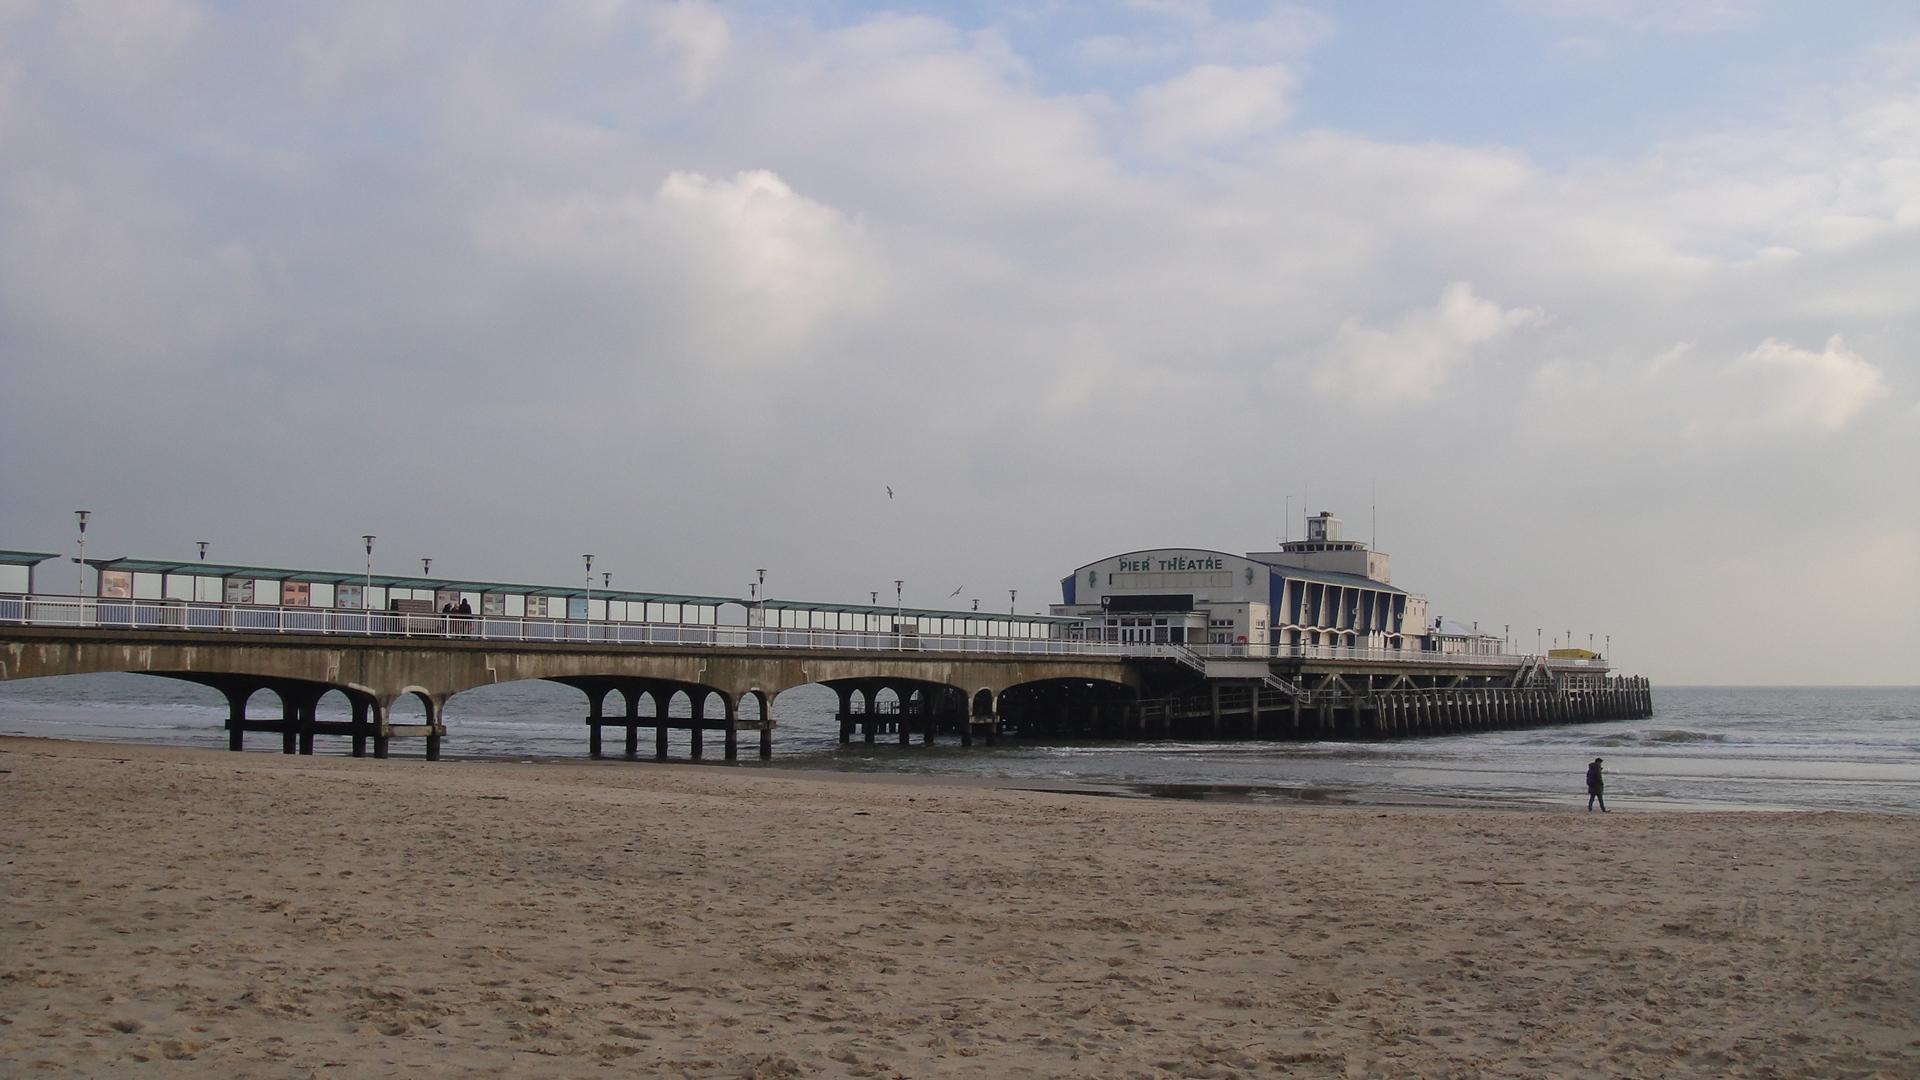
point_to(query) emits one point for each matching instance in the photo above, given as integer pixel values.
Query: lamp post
(761, 592)
(1012, 595)
(197, 577)
(1609, 652)
(80, 573)
(897, 582)
(366, 598)
(203, 549)
(426, 565)
(1536, 641)
(589, 612)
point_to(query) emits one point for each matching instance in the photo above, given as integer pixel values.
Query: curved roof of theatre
(1152, 550)
(1326, 577)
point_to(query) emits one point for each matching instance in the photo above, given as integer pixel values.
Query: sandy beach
(257, 915)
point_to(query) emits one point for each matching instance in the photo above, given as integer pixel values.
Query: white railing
(113, 614)
(1359, 653)
(181, 615)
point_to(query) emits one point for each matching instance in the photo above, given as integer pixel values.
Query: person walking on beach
(1596, 787)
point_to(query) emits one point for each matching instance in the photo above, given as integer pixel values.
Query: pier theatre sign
(1175, 563)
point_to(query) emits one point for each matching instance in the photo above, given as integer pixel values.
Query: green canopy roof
(25, 558)
(391, 581)
(918, 613)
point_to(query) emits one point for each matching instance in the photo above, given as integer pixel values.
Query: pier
(722, 682)
(1333, 656)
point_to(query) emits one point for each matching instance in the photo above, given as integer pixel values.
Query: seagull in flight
(889, 491)
(955, 592)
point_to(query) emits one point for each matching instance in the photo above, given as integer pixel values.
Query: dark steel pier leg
(359, 728)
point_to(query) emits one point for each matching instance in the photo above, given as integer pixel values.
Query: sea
(1704, 748)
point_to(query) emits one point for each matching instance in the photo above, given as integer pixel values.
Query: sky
(1600, 316)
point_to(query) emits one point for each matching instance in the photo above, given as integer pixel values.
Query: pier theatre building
(1323, 591)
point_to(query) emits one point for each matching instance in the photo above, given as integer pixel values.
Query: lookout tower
(1327, 549)
(1323, 527)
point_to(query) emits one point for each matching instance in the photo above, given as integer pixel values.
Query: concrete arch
(1069, 707)
(377, 671)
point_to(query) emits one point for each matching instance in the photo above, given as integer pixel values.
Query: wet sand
(257, 915)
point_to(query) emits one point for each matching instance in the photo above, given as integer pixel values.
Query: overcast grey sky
(1614, 303)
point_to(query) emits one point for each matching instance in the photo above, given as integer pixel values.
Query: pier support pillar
(633, 722)
(661, 699)
(696, 732)
(596, 700)
(289, 722)
(236, 715)
(382, 715)
(732, 708)
(359, 726)
(306, 711)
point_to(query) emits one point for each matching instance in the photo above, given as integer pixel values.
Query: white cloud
(587, 232)
(1780, 388)
(1212, 105)
(1774, 393)
(696, 33)
(701, 272)
(118, 279)
(787, 259)
(1195, 31)
(1425, 348)
(1671, 16)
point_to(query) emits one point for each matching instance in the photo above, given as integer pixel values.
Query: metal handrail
(105, 613)
(101, 613)
(1297, 651)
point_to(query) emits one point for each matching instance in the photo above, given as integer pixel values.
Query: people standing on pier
(465, 611)
(1596, 787)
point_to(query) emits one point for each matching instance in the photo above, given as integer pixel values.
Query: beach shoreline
(267, 915)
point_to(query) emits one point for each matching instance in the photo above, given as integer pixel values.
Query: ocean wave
(1658, 738)
(1683, 737)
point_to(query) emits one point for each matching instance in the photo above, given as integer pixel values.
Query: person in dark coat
(1596, 787)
